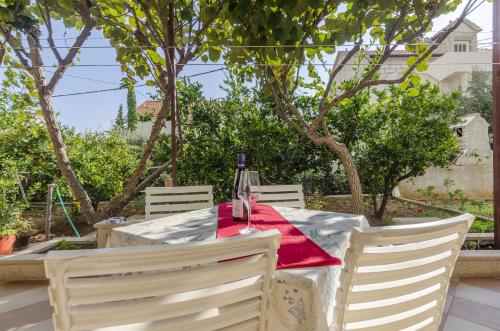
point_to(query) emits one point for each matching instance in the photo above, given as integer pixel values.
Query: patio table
(302, 299)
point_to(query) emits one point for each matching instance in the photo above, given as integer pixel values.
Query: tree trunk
(352, 175)
(172, 93)
(374, 203)
(54, 130)
(118, 202)
(44, 96)
(379, 214)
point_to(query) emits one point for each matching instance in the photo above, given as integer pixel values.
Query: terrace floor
(472, 305)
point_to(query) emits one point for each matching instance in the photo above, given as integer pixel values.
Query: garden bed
(60, 226)
(28, 264)
(477, 259)
(403, 208)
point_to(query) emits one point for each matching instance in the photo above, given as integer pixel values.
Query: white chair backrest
(282, 196)
(397, 277)
(165, 201)
(216, 285)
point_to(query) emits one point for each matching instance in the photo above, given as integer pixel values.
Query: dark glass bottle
(238, 212)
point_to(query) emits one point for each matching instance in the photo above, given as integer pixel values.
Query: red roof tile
(149, 107)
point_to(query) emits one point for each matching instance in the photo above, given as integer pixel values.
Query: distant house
(147, 112)
(451, 63)
(471, 170)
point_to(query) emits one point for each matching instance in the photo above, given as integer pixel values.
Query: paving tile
(475, 312)
(14, 287)
(23, 298)
(41, 326)
(28, 315)
(447, 304)
(491, 284)
(453, 287)
(478, 294)
(454, 323)
(443, 320)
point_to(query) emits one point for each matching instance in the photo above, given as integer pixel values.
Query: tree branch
(45, 12)
(70, 56)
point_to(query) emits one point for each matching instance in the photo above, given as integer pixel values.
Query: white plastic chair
(165, 201)
(217, 285)
(282, 196)
(397, 277)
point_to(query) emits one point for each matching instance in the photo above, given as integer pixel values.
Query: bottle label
(237, 208)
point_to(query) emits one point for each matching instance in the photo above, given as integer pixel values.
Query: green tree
(131, 109)
(243, 121)
(21, 27)
(315, 29)
(169, 35)
(478, 97)
(120, 120)
(400, 136)
(103, 162)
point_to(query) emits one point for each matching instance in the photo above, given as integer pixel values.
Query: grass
(423, 213)
(486, 210)
(481, 226)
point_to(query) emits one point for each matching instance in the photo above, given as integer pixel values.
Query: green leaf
(214, 54)
(422, 66)
(404, 85)
(415, 79)
(413, 92)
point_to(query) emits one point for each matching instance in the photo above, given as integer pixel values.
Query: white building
(471, 170)
(148, 109)
(451, 64)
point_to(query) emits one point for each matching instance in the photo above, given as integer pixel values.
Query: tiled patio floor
(472, 305)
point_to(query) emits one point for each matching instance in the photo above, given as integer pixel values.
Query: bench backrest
(397, 277)
(217, 285)
(282, 196)
(165, 201)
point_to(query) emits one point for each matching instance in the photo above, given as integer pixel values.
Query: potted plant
(167, 179)
(11, 207)
(24, 228)
(7, 239)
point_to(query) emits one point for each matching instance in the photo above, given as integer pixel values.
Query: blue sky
(96, 112)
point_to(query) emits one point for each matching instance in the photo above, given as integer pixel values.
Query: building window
(461, 46)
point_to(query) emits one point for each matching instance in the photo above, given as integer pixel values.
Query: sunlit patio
(473, 304)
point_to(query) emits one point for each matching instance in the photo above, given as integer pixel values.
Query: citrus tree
(286, 43)
(155, 40)
(400, 135)
(20, 27)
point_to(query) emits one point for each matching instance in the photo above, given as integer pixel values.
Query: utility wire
(235, 46)
(104, 38)
(87, 78)
(124, 87)
(260, 64)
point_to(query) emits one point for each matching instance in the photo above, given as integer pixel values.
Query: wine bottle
(238, 213)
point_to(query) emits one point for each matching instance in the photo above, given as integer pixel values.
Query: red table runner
(296, 249)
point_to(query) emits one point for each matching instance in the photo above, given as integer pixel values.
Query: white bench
(223, 284)
(166, 201)
(282, 196)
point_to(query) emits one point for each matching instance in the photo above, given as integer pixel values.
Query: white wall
(143, 130)
(476, 180)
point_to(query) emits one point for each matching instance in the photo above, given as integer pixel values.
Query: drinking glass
(249, 192)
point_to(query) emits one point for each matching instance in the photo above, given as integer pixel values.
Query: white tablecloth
(302, 298)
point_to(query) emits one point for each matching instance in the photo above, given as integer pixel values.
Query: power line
(87, 78)
(259, 64)
(124, 87)
(104, 38)
(233, 46)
